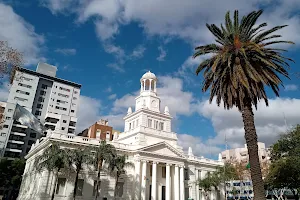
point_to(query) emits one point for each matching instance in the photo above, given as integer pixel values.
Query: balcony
(16, 141)
(18, 133)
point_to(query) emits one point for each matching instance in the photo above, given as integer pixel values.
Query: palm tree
(52, 159)
(241, 65)
(209, 182)
(105, 152)
(77, 158)
(117, 168)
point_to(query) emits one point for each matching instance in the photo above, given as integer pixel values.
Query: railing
(205, 160)
(143, 129)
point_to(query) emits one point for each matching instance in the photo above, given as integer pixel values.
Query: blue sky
(107, 45)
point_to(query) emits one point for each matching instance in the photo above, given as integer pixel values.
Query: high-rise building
(52, 100)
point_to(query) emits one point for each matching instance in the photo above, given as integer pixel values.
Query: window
(5, 126)
(22, 92)
(64, 89)
(39, 106)
(75, 92)
(79, 187)
(61, 101)
(26, 79)
(38, 113)
(44, 86)
(156, 124)
(119, 189)
(98, 133)
(72, 111)
(133, 124)
(64, 121)
(41, 99)
(32, 135)
(60, 187)
(25, 85)
(74, 98)
(20, 99)
(150, 123)
(62, 128)
(137, 122)
(161, 126)
(95, 187)
(42, 92)
(3, 134)
(186, 174)
(163, 172)
(10, 110)
(8, 118)
(151, 171)
(129, 126)
(63, 95)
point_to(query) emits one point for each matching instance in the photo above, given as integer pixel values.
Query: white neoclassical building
(160, 169)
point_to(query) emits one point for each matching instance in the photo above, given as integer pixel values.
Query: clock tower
(148, 98)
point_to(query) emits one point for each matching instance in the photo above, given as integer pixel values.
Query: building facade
(99, 130)
(160, 169)
(241, 154)
(52, 100)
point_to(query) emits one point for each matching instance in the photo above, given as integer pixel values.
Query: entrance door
(150, 192)
(163, 192)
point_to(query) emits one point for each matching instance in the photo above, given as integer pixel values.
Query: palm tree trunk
(115, 192)
(75, 185)
(251, 141)
(98, 179)
(55, 182)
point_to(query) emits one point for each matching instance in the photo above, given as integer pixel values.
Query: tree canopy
(284, 171)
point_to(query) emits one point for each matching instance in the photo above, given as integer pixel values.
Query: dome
(149, 75)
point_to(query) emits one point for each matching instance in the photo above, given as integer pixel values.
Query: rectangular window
(186, 174)
(62, 128)
(20, 99)
(25, 85)
(38, 113)
(42, 92)
(129, 126)
(64, 121)
(5, 126)
(95, 187)
(41, 99)
(151, 171)
(10, 110)
(25, 78)
(74, 98)
(3, 134)
(98, 133)
(137, 122)
(72, 111)
(60, 187)
(150, 123)
(64, 109)
(64, 89)
(39, 105)
(44, 86)
(79, 188)
(63, 95)
(163, 172)
(161, 126)
(156, 124)
(8, 118)
(119, 189)
(61, 101)
(22, 92)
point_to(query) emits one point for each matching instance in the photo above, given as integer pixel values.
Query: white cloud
(112, 96)
(269, 121)
(56, 6)
(20, 35)
(4, 91)
(291, 87)
(138, 52)
(162, 54)
(106, 30)
(176, 18)
(109, 89)
(199, 147)
(66, 52)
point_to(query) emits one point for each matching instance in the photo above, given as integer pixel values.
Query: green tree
(77, 158)
(117, 168)
(284, 171)
(242, 63)
(104, 152)
(54, 159)
(11, 172)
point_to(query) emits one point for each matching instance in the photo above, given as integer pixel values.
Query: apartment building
(241, 154)
(99, 130)
(2, 108)
(52, 100)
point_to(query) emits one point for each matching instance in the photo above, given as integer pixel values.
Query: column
(144, 179)
(154, 186)
(144, 84)
(150, 85)
(141, 86)
(181, 183)
(196, 185)
(168, 182)
(154, 86)
(137, 195)
(176, 182)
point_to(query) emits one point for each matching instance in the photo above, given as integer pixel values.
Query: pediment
(162, 149)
